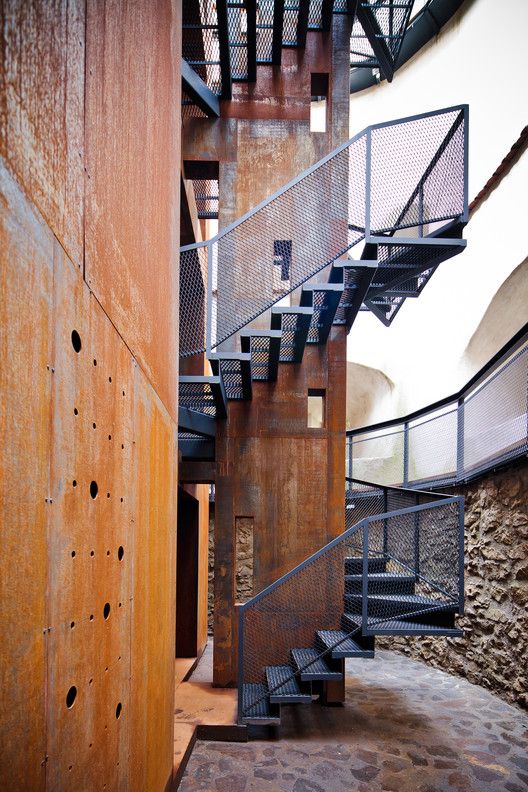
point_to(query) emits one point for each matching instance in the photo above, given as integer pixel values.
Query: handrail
(411, 491)
(482, 426)
(505, 351)
(333, 564)
(372, 180)
(312, 168)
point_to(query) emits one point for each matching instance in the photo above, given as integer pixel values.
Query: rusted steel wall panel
(132, 188)
(26, 286)
(154, 615)
(91, 545)
(289, 478)
(43, 130)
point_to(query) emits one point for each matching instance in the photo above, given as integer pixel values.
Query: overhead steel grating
(378, 33)
(203, 395)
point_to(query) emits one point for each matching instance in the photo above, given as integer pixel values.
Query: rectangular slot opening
(319, 102)
(244, 559)
(316, 408)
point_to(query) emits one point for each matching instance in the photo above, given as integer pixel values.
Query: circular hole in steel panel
(71, 695)
(76, 341)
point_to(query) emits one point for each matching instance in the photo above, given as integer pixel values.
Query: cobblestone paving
(405, 726)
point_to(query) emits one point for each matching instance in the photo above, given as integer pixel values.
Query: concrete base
(201, 711)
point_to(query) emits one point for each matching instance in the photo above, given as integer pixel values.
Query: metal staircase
(224, 41)
(397, 188)
(395, 572)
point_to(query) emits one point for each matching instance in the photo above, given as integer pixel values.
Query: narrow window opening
(244, 558)
(316, 408)
(319, 102)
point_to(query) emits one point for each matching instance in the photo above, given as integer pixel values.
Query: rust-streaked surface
(26, 284)
(93, 434)
(43, 128)
(287, 477)
(153, 633)
(132, 188)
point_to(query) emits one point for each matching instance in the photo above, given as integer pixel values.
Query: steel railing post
(460, 440)
(240, 679)
(461, 556)
(209, 328)
(368, 180)
(364, 584)
(385, 521)
(405, 453)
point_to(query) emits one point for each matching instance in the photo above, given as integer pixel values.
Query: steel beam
(193, 471)
(374, 34)
(302, 22)
(225, 52)
(278, 25)
(251, 6)
(199, 92)
(197, 449)
(199, 423)
(326, 14)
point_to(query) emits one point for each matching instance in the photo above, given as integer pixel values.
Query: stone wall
(244, 564)
(494, 650)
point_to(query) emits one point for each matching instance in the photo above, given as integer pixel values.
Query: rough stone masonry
(494, 650)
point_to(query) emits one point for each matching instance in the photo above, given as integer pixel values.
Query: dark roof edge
(427, 24)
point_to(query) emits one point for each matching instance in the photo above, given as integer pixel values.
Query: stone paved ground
(405, 727)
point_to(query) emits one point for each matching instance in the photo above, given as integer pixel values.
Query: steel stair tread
(312, 666)
(354, 565)
(400, 627)
(341, 645)
(283, 686)
(381, 576)
(411, 599)
(262, 711)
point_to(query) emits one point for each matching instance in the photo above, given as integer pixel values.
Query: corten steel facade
(89, 230)
(105, 528)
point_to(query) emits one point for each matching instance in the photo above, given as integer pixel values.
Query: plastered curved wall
(423, 352)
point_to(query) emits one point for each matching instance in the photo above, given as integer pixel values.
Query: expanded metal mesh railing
(392, 176)
(482, 426)
(419, 536)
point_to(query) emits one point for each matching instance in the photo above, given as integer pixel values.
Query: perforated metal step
(264, 347)
(256, 706)
(313, 667)
(381, 583)
(354, 565)
(324, 299)
(284, 688)
(387, 604)
(340, 645)
(235, 371)
(294, 323)
(399, 627)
